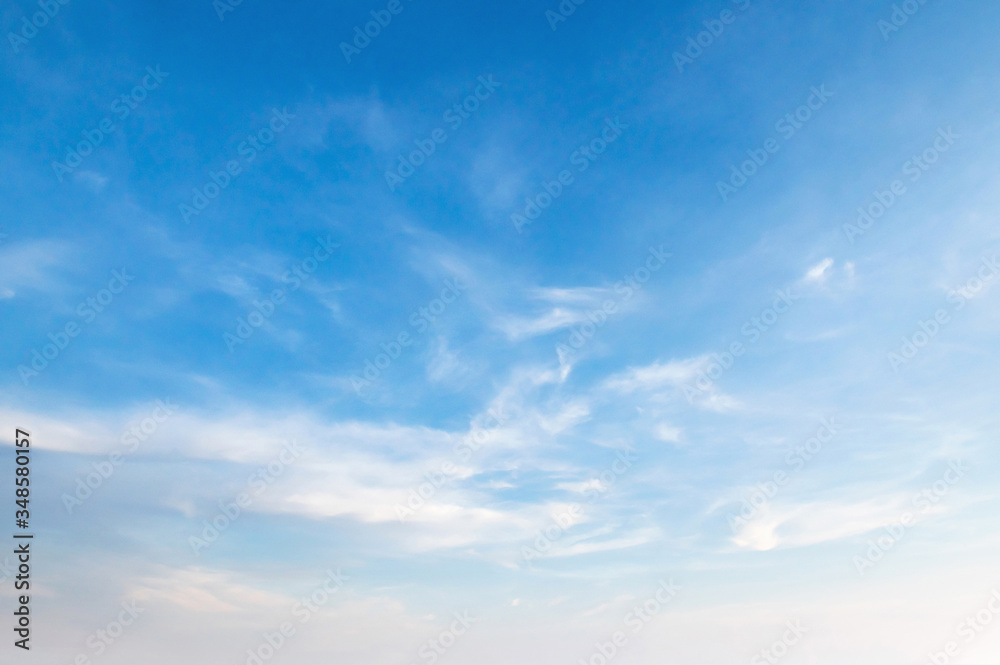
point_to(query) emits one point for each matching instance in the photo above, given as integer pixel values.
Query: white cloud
(91, 179)
(779, 525)
(819, 272)
(587, 296)
(658, 375)
(590, 543)
(567, 417)
(496, 176)
(204, 591)
(367, 118)
(446, 366)
(668, 433)
(33, 265)
(518, 327)
(677, 375)
(570, 306)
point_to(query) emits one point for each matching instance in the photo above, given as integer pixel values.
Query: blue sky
(228, 269)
